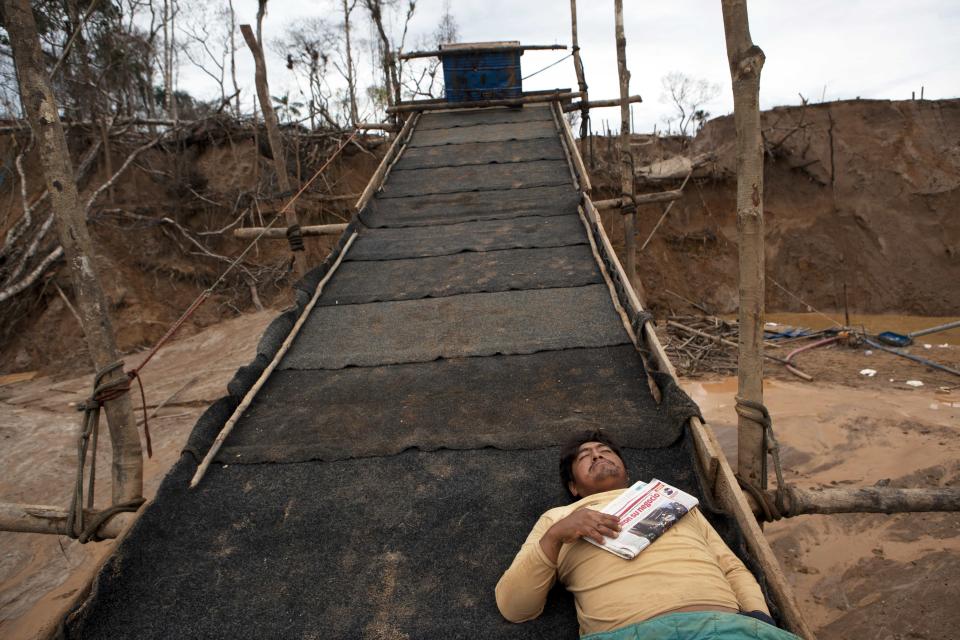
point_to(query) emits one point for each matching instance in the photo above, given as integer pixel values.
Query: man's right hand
(582, 523)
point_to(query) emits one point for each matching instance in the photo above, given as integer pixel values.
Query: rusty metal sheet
(476, 177)
(473, 324)
(483, 133)
(480, 153)
(448, 208)
(485, 235)
(472, 272)
(472, 117)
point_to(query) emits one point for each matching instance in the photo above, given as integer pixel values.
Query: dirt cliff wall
(861, 192)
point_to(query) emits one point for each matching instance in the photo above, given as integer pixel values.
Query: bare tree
(420, 76)
(309, 46)
(687, 96)
(389, 47)
(41, 108)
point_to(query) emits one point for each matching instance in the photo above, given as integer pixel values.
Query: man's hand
(581, 523)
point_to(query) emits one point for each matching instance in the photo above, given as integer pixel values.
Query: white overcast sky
(830, 49)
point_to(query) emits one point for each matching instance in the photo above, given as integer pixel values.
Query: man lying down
(687, 584)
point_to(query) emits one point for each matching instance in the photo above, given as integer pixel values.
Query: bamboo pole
(480, 48)
(626, 163)
(41, 109)
(596, 104)
(273, 135)
(746, 61)
(645, 198)
(281, 234)
(442, 105)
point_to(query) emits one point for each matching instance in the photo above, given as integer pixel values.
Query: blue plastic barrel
(481, 75)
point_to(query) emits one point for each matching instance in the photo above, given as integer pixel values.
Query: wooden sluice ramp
(395, 460)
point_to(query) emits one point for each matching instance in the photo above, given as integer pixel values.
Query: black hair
(568, 453)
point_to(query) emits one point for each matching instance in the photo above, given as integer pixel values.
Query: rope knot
(773, 506)
(295, 237)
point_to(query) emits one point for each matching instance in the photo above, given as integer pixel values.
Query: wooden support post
(42, 111)
(868, 500)
(746, 61)
(578, 68)
(40, 518)
(626, 162)
(273, 135)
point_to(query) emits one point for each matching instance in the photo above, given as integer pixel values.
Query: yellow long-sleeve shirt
(688, 566)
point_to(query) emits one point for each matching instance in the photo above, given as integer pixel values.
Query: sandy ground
(856, 576)
(39, 574)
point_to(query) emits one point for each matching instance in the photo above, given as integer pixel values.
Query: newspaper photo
(646, 511)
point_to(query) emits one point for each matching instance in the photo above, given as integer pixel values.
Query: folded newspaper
(646, 511)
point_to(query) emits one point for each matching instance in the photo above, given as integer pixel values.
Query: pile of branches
(696, 354)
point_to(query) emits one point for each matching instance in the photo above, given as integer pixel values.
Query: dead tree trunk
(273, 137)
(626, 159)
(41, 109)
(746, 60)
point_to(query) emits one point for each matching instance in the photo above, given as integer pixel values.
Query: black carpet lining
(540, 399)
(480, 153)
(528, 232)
(407, 545)
(476, 177)
(469, 272)
(507, 322)
(408, 445)
(443, 209)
